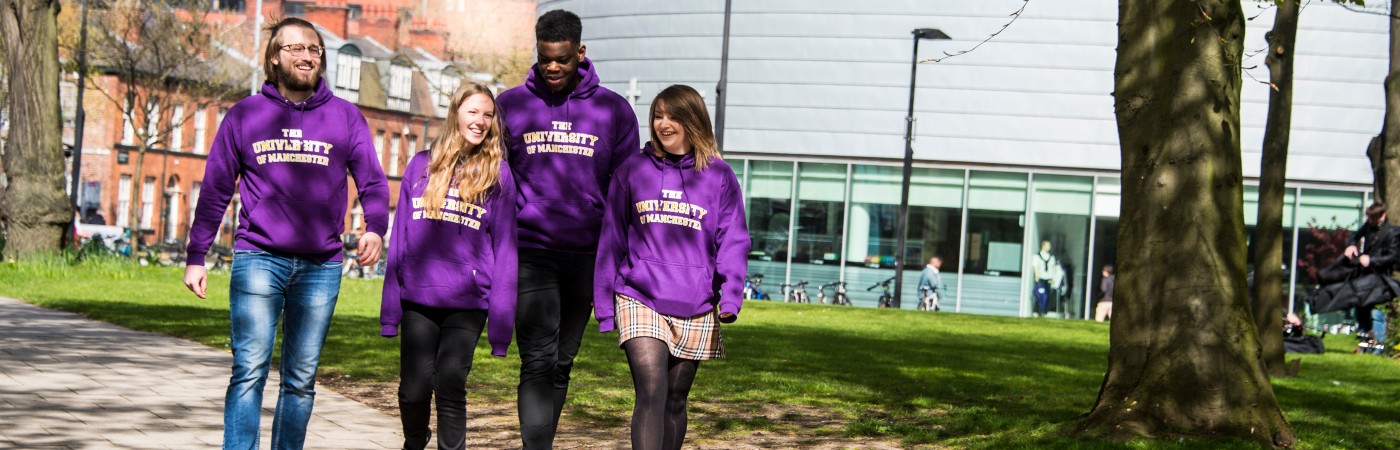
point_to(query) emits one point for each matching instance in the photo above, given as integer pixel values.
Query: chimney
(403, 29)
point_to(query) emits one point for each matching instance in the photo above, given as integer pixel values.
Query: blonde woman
(452, 266)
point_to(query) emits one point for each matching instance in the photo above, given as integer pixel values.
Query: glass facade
(768, 191)
(819, 223)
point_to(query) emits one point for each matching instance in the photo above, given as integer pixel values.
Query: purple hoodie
(292, 160)
(563, 149)
(673, 238)
(464, 260)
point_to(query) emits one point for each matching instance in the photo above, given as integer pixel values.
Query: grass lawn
(951, 380)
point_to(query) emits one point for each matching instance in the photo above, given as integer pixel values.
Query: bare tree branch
(1015, 15)
(1362, 10)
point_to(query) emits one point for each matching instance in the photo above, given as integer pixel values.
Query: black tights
(435, 357)
(662, 382)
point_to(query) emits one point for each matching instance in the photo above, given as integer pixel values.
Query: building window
(194, 199)
(379, 147)
(412, 145)
(148, 202)
(91, 205)
(294, 8)
(447, 85)
(124, 201)
(394, 154)
(390, 231)
(128, 130)
(177, 128)
(1061, 206)
(172, 208)
(68, 98)
(357, 216)
(400, 87)
(769, 214)
(355, 11)
(201, 124)
(220, 118)
(152, 125)
(231, 5)
(347, 76)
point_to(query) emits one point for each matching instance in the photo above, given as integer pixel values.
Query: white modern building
(1016, 141)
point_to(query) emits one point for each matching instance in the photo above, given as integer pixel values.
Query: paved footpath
(67, 382)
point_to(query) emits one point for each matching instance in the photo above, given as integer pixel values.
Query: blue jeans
(1372, 319)
(264, 287)
(1042, 297)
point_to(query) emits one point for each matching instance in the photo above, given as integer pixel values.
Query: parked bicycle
(751, 287)
(838, 297)
(795, 293)
(928, 300)
(886, 299)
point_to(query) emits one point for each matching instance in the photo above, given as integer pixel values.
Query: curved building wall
(830, 78)
(1016, 142)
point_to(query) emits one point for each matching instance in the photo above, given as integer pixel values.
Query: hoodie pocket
(295, 226)
(569, 223)
(666, 282)
(429, 279)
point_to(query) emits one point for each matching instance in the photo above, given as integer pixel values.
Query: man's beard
(287, 78)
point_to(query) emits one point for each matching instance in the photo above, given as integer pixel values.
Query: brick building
(379, 57)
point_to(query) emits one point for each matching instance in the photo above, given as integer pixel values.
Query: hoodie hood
(660, 161)
(319, 96)
(587, 82)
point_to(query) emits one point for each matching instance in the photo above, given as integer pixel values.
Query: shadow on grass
(955, 380)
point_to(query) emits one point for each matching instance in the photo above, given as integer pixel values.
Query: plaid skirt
(695, 338)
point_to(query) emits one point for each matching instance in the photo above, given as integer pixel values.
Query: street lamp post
(902, 220)
(80, 117)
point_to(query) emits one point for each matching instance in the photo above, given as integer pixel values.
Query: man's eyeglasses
(298, 49)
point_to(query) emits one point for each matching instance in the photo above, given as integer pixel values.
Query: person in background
(1104, 310)
(931, 282)
(1372, 247)
(671, 262)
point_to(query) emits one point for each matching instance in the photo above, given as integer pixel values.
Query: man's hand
(197, 279)
(371, 245)
(1365, 260)
(727, 317)
(1351, 252)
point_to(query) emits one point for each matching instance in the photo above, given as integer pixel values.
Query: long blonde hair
(476, 168)
(687, 107)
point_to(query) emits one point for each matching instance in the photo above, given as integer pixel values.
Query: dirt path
(495, 425)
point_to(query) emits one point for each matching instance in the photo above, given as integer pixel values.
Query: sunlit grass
(962, 381)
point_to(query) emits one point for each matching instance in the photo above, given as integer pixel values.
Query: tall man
(565, 135)
(291, 147)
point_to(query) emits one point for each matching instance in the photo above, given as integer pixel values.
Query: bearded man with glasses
(289, 150)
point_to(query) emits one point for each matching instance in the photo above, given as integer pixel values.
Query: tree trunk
(1268, 233)
(139, 197)
(36, 212)
(1183, 350)
(1388, 179)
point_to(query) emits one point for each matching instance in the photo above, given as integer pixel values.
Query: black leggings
(435, 356)
(555, 299)
(662, 382)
